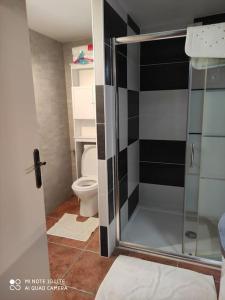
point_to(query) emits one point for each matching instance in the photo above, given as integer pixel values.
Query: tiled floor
(80, 265)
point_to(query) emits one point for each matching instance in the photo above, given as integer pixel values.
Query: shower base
(155, 229)
(162, 230)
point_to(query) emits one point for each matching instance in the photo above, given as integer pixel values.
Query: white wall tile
(196, 111)
(163, 114)
(214, 113)
(211, 198)
(133, 166)
(102, 177)
(103, 209)
(161, 197)
(123, 118)
(216, 77)
(213, 157)
(103, 192)
(191, 192)
(124, 216)
(111, 237)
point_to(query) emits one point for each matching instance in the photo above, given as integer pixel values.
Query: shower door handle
(192, 155)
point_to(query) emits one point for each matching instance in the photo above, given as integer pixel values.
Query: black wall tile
(108, 65)
(133, 103)
(122, 49)
(133, 25)
(213, 19)
(133, 130)
(162, 151)
(121, 70)
(104, 240)
(122, 163)
(111, 205)
(163, 51)
(123, 190)
(110, 173)
(165, 76)
(163, 174)
(133, 201)
(101, 140)
(100, 103)
(114, 25)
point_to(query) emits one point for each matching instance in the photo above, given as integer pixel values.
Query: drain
(191, 234)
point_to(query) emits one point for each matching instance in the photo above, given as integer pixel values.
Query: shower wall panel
(163, 120)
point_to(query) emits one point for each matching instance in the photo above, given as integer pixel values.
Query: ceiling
(70, 20)
(156, 15)
(62, 20)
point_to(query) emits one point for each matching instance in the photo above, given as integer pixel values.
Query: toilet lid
(89, 161)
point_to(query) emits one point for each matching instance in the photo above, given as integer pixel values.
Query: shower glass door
(205, 161)
(170, 175)
(152, 103)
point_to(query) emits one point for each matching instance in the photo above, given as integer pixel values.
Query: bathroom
(159, 118)
(65, 104)
(131, 139)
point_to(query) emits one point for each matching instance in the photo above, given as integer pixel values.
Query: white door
(23, 243)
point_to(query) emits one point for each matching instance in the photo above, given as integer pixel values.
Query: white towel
(136, 279)
(206, 41)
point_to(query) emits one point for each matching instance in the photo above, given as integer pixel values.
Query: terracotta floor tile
(71, 294)
(88, 272)
(50, 222)
(201, 269)
(67, 242)
(217, 284)
(60, 259)
(70, 206)
(93, 243)
(149, 257)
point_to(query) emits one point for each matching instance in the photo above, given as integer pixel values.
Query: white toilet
(86, 187)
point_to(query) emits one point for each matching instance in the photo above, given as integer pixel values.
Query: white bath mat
(133, 278)
(70, 228)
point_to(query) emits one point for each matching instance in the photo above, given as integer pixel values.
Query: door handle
(37, 167)
(192, 155)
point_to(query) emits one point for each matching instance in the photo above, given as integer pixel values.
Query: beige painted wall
(67, 51)
(52, 113)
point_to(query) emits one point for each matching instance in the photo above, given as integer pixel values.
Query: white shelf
(82, 67)
(85, 139)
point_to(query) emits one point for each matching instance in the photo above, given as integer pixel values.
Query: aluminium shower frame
(122, 244)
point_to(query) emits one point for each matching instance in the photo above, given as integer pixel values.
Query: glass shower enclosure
(205, 162)
(170, 160)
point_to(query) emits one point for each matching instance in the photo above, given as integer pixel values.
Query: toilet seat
(86, 183)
